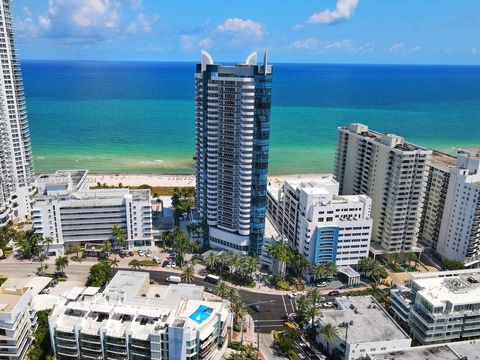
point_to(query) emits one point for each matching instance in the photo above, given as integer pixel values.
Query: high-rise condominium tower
(393, 173)
(15, 150)
(232, 138)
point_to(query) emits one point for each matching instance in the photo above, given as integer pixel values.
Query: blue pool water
(201, 314)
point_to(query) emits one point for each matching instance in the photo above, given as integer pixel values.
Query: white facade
(129, 321)
(228, 184)
(68, 212)
(441, 306)
(319, 223)
(459, 237)
(17, 321)
(16, 168)
(369, 328)
(392, 173)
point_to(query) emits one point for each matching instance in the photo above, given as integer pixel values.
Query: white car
(328, 304)
(171, 265)
(148, 254)
(292, 295)
(140, 253)
(322, 284)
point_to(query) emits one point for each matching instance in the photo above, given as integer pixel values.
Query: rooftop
(363, 312)
(463, 350)
(442, 160)
(305, 181)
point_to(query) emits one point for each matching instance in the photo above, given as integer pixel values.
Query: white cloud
(26, 26)
(81, 19)
(136, 4)
(151, 48)
(191, 43)
(297, 27)
(142, 23)
(339, 45)
(396, 47)
(247, 27)
(344, 10)
(401, 47)
(307, 44)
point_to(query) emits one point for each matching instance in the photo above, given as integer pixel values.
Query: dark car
(255, 308)
(165, 263)
(209, 289)
(122, 255)
(333, 293)
(130, 253)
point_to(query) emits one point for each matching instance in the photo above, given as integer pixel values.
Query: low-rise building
(128, 321)
(441, 306)
(461, 350)
(18, 320)
(319, 223)
(364, 326)
(68, 212)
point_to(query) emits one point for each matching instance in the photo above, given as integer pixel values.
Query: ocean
(138, 117)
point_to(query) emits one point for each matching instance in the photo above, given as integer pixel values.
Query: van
(174, 279)
(212, 279)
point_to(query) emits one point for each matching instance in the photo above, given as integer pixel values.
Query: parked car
(122, 255)
(334, 293)
(131, 253)
(148, 253)
(171, 265)
(156, 260)
(209, 289)
(165, 263)
(140, 253)
(328, 304)
(292, 295)
(174, 279)
(256, 308)
(322, 284)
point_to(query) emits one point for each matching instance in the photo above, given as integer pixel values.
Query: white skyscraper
(393, 173)
(15, 150)
(232, 139)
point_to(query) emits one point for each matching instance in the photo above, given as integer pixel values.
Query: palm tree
(61, 263)
(299, 263)
(250, 264)
(77, 249)
(221, 289)
(302, 302)
(238, 308)
(119, 236)
(312, 313)
(114, 262)
(47, 241)
(331, 268)
(319, 271)
(188, 274)
(329, 332)
(234, 261)
(211, 261)
(314, 295)
(135, 264)
(166, 238)
(107, 246)
(281, 253)
(7, 233)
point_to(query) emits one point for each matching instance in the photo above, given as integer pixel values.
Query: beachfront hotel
(440, 306)
(132, 319)
(67, 211)
(393, 173)
(232, 140)
(16, 169)
(319, 223)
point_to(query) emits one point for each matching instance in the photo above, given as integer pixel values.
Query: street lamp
(346, 324)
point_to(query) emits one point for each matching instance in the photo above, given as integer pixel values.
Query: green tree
(314, 295)
(452, 265)
(188, 274)
(303, 302)
(181, 244)
(299, 264)
(77, 249)
(100, 274)
(135, 264)
(41, 348)
(281, 253)
(107, 246)
(328, 332)
(7, 233)
(166, 238)
(114, 262)
(246, 352)
(61, 263)
(29, 244)
(183, 199)
(249, 265)
(221, 289)
(47, 241)
(312, 313)
(211, 261)
(118, 235)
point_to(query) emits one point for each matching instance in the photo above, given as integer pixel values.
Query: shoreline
(161, 180)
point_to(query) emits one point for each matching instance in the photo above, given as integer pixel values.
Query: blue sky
(315, 31)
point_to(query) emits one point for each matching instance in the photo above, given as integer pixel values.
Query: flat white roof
(457, 290)
(369, 321)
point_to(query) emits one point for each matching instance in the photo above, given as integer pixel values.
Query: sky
(300, 31)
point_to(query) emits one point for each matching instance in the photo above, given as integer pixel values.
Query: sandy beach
(141, 179)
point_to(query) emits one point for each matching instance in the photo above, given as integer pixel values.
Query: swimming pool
(201, 314)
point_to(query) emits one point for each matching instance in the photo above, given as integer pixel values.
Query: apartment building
(18, 321)
(232, 140)
(363, 326)
(16, 168)
(435, 197)
(459, 237)
(392, 172)
(67, 211)
(319, 223)
(440, 307)
(132, 319)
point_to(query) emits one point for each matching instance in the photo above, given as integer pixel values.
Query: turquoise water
(139, 117)
(201, 314)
